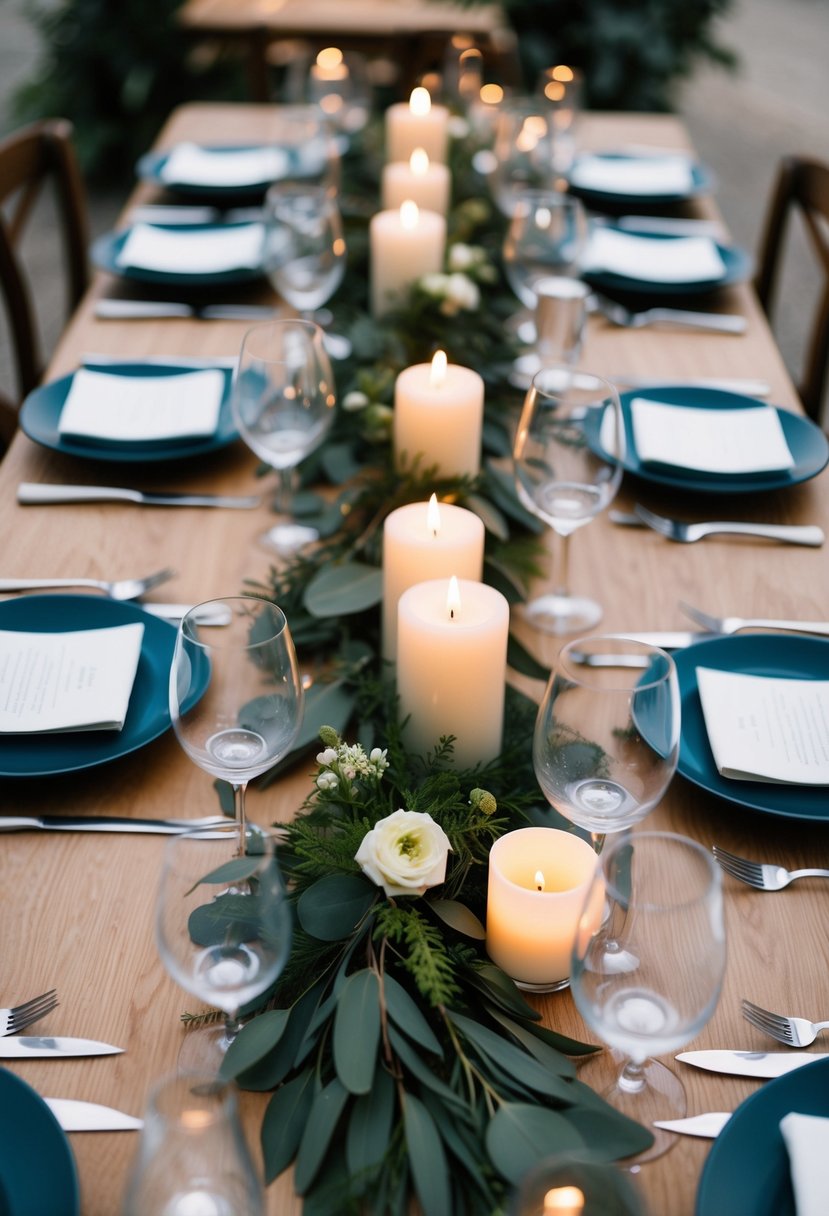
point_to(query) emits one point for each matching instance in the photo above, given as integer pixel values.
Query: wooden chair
(34, 160)
(802, 185)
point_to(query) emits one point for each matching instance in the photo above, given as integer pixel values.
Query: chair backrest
(802, 185)
(32, 160)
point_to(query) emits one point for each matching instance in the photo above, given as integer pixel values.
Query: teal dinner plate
(746, 1172)
(808, 444)
(37, 1169)
(106, 249)
(702, 182)
(302, 162)
(737, 263)
(40, 416)
(780, 655)
(148, 715)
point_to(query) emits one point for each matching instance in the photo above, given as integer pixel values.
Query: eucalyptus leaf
(520, 1135)
(320, 1125)
(333, 906)
(495, 439)
(325, 705)
(227, 801)
(370, 1126)
(496, 576)
(422, 1072)
(230, 872)
(520, 660)
(427, 1160)
(610, 1134)
(459, 917)
(496, 985)
(284, 1121)
(554, 1061)
(404, 1012)
(307, 502)
(516, 1063)
(463, 1144)
(227, 920)
(273, 1068)
(493, 519)
(343, 588)
(254, 1041)
(501, 487)
(339, 462)
(357, 1031)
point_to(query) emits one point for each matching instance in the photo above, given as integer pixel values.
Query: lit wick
(433, 515)
(453, 598)
(539, 880)
(437, 372)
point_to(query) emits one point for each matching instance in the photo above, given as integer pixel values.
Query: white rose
(405, 853)
(461, 257)
(462, 292)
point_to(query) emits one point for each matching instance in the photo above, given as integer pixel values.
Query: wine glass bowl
(546, 236)
(305, 248)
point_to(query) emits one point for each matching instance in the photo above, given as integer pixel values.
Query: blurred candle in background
(419, 179)
(404, 245)
(417, 124)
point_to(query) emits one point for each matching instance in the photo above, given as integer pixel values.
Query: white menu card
(762, 728)
(722, 441)
(675, 259)
(54, 682)
(189, 164)
(112, 408)
(807, 1144)
(193, 250)
(633, 174)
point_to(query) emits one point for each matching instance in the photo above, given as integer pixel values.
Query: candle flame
(420, 102)
(409, 215)
(433, 515)
(491, 94)
(419, 162)
(437, 375)
(453, 599)
(539, 880)
(330, 57)
(568, 1200)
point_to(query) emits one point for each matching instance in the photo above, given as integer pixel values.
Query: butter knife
(106, 823)
(24, 1047)
(708, 1125)
(29, 493)
(75, 1116)
(763, 1064)
(136, 310)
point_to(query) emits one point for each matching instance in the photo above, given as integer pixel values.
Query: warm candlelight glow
(195, 1120)
(564, 1201)
(562, 72)
(533, 129)
(420, 102)
(409, 215)
(543, 218)
(539, 880)
(330, 65)
(330, 57)
(419, 162)
(433, 515)
(554, 90)
(453, 599)
(437, 374)
(491, 94)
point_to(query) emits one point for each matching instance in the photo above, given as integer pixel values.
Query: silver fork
(796, 1032)
(617, 314)
(764, 877)
(121, 589)
(17, 1017)
(732, 624)
(674, 529)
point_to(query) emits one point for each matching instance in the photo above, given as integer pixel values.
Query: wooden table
(77, 909)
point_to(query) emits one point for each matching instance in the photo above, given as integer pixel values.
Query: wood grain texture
(77, 910)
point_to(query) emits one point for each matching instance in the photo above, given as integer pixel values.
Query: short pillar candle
(538, 883)
(426, 182)
(451, 667)
(404, 245)
(439, 416)
(416, 123)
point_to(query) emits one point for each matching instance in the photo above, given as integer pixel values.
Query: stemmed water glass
(606, 740)
(236, 697)
(648, 965)
(283, 402)
(223, 927)
(523, 156)
(566, 459)
(546, 236)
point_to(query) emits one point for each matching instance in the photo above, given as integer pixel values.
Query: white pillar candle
(404, 245)
(420, 179)
(439, 415)
(451, 667)
(538, 882)
(423, 541)
(417, 124)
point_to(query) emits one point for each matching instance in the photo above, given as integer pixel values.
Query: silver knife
(23, 1047)
(204, 615)
(75, 1116)
(761, 1064)
(136, 310)
(106, 823)
(709, 1125)
(29, 493)
(727, 384)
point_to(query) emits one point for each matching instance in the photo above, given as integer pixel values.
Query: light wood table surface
(76, 910)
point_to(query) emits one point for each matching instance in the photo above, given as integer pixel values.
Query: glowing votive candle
(423, 541)
(451, 667)
(419, 179)
(417, 124)
(538, 882)
(404, 244)
(439, 415)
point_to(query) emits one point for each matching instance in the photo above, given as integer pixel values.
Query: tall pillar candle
(417, 124)
(451, 667)
(439, 415)
(538, 883)
(424, 541)
(404, 245)
(426, 182)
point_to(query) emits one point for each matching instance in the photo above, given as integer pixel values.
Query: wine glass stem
(239, 792)
(285, 485)
(232, 1026)
(632, 1078)
(561, 566)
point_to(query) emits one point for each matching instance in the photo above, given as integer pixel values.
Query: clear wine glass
(606, 740)
(522, 152)
(546, 236)
(648, 965)
(223, 927)
(236, 697)
(283, 402)
(565, 474)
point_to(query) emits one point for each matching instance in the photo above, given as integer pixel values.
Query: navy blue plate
(702, 182)
(747, 1171)
(37, 1168)
(784, 656)
(106, 249)
(148, 715)
(300, 164)
(738, 267)
(40, 416)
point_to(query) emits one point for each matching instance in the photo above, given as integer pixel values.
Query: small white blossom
(327, 757)
(377, 756)
(405, 853)
(461, 257)
(458, 127)
(434, 284)
(327, 781)
(354, 401)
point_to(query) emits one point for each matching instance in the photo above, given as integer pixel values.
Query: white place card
(720, 441)
(680, 259)
(107, 408)
(807, 1143)
(766, 729)
(641, 175)
(191, 165)
(56, 682)
(193, 250)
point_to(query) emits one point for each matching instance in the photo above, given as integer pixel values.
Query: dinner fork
(796, 1032)
(617, 314)
(732, 624)
(17, 1017)
(121, 589)
(764, 877)
(674, 529)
